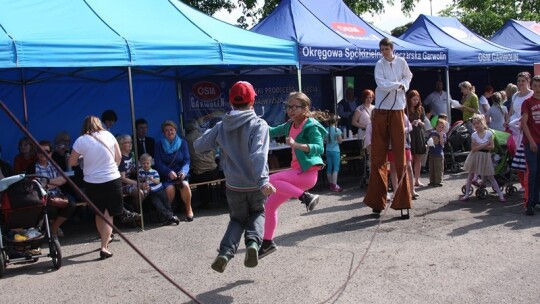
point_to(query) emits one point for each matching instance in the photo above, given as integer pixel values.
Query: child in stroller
(24, 221)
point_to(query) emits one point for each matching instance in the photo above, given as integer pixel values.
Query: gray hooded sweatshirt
(243, 140)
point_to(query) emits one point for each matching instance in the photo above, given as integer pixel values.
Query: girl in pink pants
(304, 135)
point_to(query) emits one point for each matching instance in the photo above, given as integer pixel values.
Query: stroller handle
(36, 176)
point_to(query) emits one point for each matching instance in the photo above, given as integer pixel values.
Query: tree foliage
(485, 17)
(398, 31)
(252, 13)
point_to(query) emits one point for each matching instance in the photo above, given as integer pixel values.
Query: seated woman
(172, 162)
(43, 167)
(128, 173)
(26, 156)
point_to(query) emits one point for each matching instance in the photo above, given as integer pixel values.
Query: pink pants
(289, 183)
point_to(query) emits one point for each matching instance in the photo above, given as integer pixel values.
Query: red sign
(349, 29)
(206, 91)
(536, 28)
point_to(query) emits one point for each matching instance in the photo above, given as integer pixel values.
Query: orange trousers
(387, 127)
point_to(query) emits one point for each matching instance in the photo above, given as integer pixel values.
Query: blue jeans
(246, 211)
(533, 160)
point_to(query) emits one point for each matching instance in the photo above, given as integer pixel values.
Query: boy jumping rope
(243, 140)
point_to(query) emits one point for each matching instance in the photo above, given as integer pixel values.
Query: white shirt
(364, 119)
(389, 76)
(99, 165)
(484, 140)
(517, 101)
(438, 102)
(482, 101)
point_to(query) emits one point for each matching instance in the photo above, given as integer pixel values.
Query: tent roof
(329, 33)
(78, 33)
(521, 35)
(465, 48)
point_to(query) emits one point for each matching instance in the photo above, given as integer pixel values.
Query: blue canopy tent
(520, 35)
(61, 60)
(465, 48)
(332, 37)
(329, 33)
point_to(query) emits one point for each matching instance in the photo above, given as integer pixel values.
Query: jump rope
(335, 296)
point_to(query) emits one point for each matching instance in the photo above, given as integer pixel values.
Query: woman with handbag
(101, 154)
(58, 206)
(172, 163)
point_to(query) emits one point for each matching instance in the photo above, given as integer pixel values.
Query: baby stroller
(457, 147)
(24, 224)
(501, 159)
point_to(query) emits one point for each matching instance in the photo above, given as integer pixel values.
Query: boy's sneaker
(220, 263)
(130, 217)
(267, 247)
(310, 200)
(252, 255)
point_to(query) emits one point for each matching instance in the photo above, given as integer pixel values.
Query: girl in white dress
(479, 160)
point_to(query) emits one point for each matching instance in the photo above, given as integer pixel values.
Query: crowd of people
(400, 133)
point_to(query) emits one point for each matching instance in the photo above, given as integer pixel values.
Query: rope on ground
(337, 294)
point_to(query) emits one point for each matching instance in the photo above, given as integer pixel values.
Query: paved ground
(480, 251)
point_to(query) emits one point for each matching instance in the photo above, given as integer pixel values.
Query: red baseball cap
(242, 92)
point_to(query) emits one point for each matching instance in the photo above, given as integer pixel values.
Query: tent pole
(135, 141)
(25, 103)
(448, 107)
(334, 87)
(299, 74)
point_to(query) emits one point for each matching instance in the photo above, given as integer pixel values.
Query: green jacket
(311, 134)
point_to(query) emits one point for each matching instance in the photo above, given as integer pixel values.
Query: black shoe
(130, 217)
(189, 218)
(267, 247)
(173, 220)
(529, 211)
(104, 255)
(310, 200)
(376, 213)
(405, 216)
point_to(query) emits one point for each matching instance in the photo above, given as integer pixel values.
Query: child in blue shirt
(333, 156)
(151, 182)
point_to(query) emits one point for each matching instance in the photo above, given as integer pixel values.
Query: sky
(392, 17)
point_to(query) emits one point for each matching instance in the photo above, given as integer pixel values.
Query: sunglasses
(294, 107)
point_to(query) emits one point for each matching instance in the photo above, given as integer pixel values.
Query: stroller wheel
(2, 263)
(56, 253)
(455, 168)
(481, 193)
(464, 188)
(511, 190)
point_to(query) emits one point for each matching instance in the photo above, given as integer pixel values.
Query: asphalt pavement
(449, 251)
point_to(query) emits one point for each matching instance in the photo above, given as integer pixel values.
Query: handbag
(59, 201)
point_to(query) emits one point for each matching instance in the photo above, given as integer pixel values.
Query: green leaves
(485, 17)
